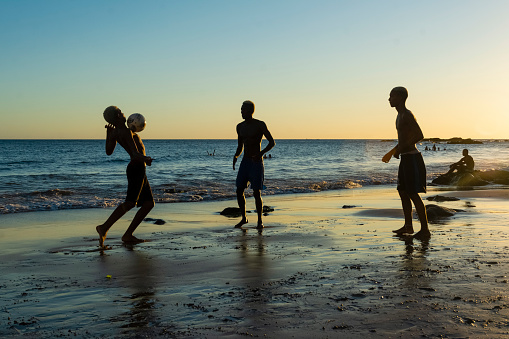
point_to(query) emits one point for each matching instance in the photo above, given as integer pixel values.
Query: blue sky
(315, 69)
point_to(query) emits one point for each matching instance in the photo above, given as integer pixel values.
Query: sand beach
(326, 266)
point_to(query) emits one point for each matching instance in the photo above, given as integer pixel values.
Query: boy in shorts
(250, 133)
(412, 172)
(139, 192)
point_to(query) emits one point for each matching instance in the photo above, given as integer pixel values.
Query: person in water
(139, 192)
(251, 170)
(412, 171)
(466, 164)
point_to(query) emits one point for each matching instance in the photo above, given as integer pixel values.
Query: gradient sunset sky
(315, 69)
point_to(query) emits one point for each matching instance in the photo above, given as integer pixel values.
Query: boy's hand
(234, 162)
(386, 158)
(109, 128)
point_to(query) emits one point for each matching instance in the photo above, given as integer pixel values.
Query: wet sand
(318, 270)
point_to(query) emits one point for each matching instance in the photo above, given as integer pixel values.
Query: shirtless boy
(138, 189)
(250, 133)
(412, 172)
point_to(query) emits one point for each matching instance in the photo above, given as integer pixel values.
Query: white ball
(136, 122)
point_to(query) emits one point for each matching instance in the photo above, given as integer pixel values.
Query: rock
(234, 212)
(495, 176)
(441, 198)
(436, 212)
(155, 221)
(349, 206)
(461, 179)
(231, 212)
(453, 141)
(267, 209)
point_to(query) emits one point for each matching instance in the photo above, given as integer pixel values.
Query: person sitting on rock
(466, 164)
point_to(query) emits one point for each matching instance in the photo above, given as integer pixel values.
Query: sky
(314, 69)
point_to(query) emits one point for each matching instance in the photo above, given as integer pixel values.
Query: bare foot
(422, 235)
(131, 239)
(260, 225)
(102, 236)
(242, 222)
(405, 230)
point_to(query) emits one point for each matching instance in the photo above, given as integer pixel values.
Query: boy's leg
(406, 203)
(241, 200)
(259, 207)
(423, 217)
(117, 214)
(138, 218)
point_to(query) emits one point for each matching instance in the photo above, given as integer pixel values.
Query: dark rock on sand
(234, 212)
(441, 198)
(155, 221)
(349, 206)
(495, 176)
(231, 212)
(461, 179)
(436, 212)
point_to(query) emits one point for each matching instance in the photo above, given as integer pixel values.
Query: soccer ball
(136, 122)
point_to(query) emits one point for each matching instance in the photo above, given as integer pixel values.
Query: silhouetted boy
(412, 172)
(139, 192)
(250, 133)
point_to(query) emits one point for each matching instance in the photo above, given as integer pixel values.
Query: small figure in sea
(251, 170)
(412, 171)
(434, 147)
(211, 154)
(466, 164)
(426, 148)
(139, 192)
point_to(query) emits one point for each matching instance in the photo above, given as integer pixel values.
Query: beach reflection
(253, 275)
(415, 265)
(134, 278)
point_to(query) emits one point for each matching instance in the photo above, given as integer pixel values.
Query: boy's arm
(414, 134)
(240, 147)
(393, 152)
(111, 141)
(269, 138)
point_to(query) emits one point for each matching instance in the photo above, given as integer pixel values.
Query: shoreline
(318, 269)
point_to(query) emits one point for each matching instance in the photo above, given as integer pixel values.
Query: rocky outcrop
(436, 212)
(461, 179)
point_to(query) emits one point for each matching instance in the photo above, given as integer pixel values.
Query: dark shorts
(138, 188)
(412, 174)
(251, 172)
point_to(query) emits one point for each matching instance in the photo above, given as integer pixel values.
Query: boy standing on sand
(138, 188)
(412, 172)
(250, 133)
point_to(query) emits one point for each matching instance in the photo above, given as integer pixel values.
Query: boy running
(138, 189)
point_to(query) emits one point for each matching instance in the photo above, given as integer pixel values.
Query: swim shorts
(138, 188)
(412, 174)
(251, 172)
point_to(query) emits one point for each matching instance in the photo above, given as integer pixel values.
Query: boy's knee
(128, 205)
(149, 204)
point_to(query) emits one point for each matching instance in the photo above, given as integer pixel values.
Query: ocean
(40, 175)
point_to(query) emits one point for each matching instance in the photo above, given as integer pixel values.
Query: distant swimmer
(466, 164)
(251, 171)
(139, 192)
(412, 171)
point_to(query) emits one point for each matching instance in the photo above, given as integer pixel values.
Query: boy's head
(398, 96)
(465, 152)
(114, 115)
(247, 109)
